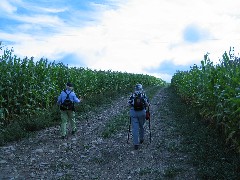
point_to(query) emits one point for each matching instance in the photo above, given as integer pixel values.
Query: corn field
(215, 89)
(28, 87)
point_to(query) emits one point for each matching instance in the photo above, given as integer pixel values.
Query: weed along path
(97, 152)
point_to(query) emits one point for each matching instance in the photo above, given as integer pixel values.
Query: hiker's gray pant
(137, 121)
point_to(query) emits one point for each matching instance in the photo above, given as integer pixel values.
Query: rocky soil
(87, 155)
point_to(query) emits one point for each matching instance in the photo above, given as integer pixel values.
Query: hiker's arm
(130, 101)
(59, 99)
(76, 99)
(147, 104)
(146, 100)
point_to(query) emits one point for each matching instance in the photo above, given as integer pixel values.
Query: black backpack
(67, 103)
(139, 102)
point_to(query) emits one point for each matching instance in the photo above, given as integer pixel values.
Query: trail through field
(87, 155)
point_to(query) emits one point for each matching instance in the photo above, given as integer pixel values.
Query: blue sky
(155, 37)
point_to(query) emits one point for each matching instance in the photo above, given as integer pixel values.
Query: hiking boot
(136, 147)
(141, 141)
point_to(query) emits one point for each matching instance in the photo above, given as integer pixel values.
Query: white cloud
(7, 7)
(137, 34)
(48, 21)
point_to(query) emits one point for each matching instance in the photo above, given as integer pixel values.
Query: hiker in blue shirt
(138, 102)
(66, 100)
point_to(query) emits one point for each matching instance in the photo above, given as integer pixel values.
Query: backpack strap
(67, 93)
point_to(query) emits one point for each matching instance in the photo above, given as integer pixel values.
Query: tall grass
(215, 89)
(29, 88)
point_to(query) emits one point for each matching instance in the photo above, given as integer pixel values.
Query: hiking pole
(149, 123)
(150, 135)
(129, 129)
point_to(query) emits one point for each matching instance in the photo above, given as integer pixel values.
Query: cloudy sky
(155, 37)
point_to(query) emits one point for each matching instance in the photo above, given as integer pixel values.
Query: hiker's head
(138, 88)
(69, 86)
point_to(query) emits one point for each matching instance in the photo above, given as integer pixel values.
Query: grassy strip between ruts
(205, 146)
(122, 120)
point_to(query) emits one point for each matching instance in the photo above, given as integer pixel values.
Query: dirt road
(87, 155)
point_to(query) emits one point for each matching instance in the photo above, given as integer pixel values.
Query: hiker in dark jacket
(67, 111)
(138, 114)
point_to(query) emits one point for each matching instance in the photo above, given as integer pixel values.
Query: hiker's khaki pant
(67, 116)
